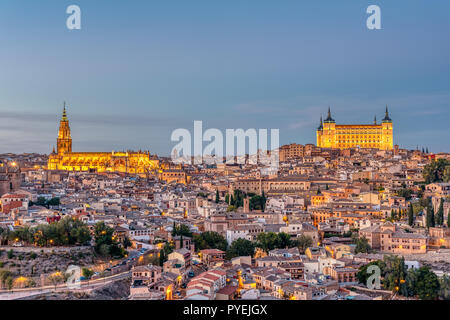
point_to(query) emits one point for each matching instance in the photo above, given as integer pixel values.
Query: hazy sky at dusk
(139, 69)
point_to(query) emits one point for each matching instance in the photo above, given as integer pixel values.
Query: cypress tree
(430, 216)
(440, 213)
(411, 215)
(448, 218)
(161, 257)
(174, 229)
(217, 196)
(263, 202)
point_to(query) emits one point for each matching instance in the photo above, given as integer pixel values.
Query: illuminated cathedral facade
(345, 136)
(63, 158)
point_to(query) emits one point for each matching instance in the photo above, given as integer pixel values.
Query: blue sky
(139, 69)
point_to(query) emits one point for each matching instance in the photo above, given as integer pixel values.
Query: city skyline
(134, 73)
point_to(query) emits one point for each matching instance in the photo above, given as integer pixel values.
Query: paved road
(84, 286)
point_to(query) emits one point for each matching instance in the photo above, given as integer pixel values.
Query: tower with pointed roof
(64, 140)
(329, 119)
(345, 136)
(387, 140)
(326, 131)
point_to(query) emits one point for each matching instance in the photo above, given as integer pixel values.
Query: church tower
(328, 138)
(387, 132)
(64, 141)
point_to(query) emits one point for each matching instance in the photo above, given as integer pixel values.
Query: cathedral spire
(375, 120)
(64, 140)
(64, 115)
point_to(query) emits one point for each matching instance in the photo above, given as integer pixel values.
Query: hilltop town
(205, 232)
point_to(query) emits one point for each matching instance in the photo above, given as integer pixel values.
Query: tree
(53, 202)
(430, 216)
(126, 242)
(67, 231)
(411, 215)
(210, 240)
(217, 196)
(105, 243)
(87, 273)
(267, 240)
(448, 218)
(164, 253)
(263, 201)
(304, 242)
(437, 171)
(444, 292)
(283, 240)
(41, 201)
(440, 213)
(257, 202)
(237, 199)
(363, 275)
(56, 278)
(405, 193)
(362, 245)
(240, 247)
(427, 285)
(174, 229)
(4, 235)
(9, 282)
(162, 258)
(393, 214)
(4, 274)
(181, 230)
(394, 273)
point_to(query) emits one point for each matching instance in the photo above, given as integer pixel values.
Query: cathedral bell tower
(64, 141)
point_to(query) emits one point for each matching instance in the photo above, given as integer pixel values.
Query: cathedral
(63, 158)
(344, 136)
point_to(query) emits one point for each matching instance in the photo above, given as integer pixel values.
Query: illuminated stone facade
(377, 136)
(126, 162)
(9, 177)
